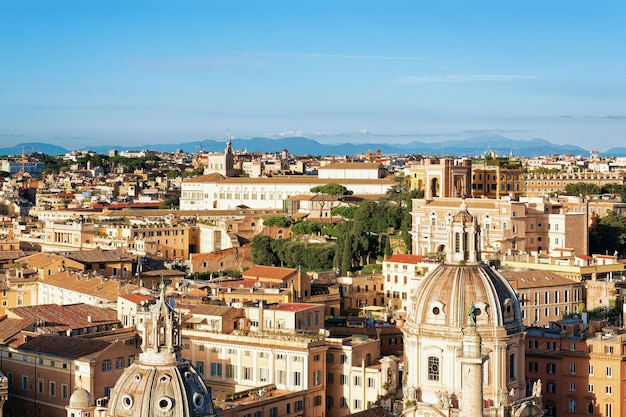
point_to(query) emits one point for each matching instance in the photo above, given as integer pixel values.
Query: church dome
(149, 390)
(449, 292)
(81, 398)
(160, 382)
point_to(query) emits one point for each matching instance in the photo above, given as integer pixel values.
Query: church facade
(464, 337)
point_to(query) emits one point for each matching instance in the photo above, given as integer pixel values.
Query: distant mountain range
(471, 146)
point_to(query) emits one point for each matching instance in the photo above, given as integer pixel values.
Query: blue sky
(77, 73)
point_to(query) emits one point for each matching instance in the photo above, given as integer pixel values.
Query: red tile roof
(405, 258)
(137, 298)
(273, 272)
(293, 306)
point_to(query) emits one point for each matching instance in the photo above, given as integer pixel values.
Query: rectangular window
(317, 400)
(551, 368)
(280, 376)
(609, 372)
(216, 369)
(572, 386)
(590, 370)
(572, 406)
(590, 388)
(357, 381)
(297, 378)
(342, 379)
(572, 368)
(263, 374)
(317, 378)
(200, 367)
(230, 370)
(247, 373)
(106, 366)
(24, 382)
(551, 387)
(371, 382)
(609, 389)
(53, 389)
(533, 366)
(40, 386)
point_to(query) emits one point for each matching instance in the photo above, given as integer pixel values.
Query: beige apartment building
(356, 375)
(361, 291)
(493, 178)
(402, 273)
(538, 185)
(581, 368)
(507, 226)
(253, 364)
(44, 371)
(545, 296)
(445, 177)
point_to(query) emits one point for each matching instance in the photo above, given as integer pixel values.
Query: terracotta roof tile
(98, 255)
(137, 298)
(54, 318)
(107, 289)
(273, 272)
(69, 347)
(405, 258)
(536, 279)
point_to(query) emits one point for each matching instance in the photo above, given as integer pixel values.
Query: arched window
(433, 368)
(512, 366)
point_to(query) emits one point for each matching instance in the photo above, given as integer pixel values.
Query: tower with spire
(464, 337)
(160, 382)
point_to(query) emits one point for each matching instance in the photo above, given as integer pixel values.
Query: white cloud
(460, 78)
(339, 56)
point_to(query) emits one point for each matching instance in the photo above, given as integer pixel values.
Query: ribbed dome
(447, 294)
(160, 382)
(81, 398)
(148, 390)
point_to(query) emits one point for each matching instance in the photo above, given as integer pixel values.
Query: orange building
(580, 366)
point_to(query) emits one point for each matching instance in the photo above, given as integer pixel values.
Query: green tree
(173, 201)
(305, 228)
(171, 174)
(388, 251)
(261, 251)
(278, 221)
(607, 234)
(334, 190)
(582, 188)
(347, 212)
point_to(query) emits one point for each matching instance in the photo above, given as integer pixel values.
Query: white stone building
(214, 191)
(464, 336)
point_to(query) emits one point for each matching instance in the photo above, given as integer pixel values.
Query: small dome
(447, 294)
(81, 398)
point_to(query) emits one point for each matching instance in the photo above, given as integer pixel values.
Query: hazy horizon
(80, 73)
